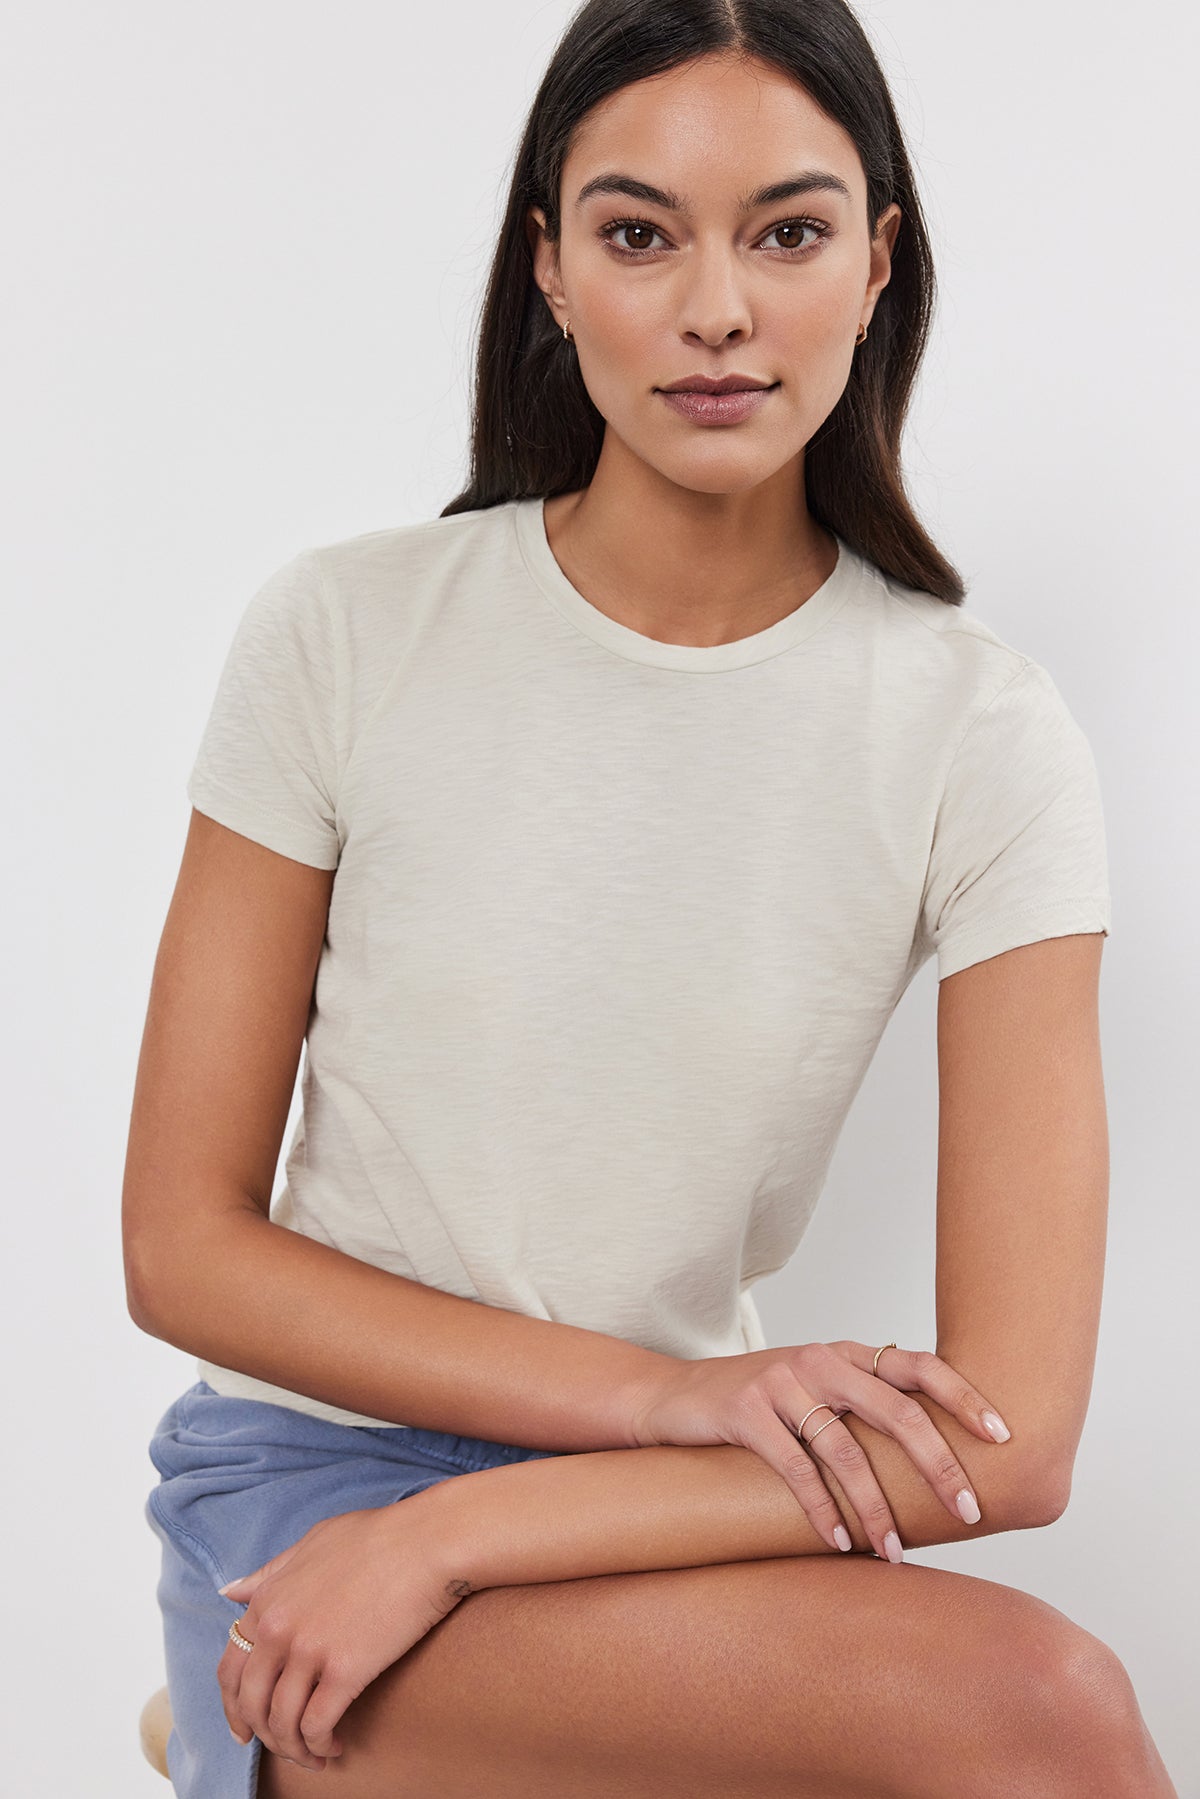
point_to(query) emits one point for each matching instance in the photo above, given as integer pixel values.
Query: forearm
(621, 1511)
(250, 1294)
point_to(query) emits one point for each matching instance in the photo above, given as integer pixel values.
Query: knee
(1082, 1716)
(1089, 1680)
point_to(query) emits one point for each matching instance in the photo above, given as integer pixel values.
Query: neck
(685, 567)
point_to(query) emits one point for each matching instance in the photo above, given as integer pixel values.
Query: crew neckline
(794, 628)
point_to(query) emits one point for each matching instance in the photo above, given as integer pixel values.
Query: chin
(718, 474)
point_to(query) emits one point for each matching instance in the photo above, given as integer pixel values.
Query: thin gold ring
(878, 1353)
(808, 1415)
(235, 1636)
(834, 1420)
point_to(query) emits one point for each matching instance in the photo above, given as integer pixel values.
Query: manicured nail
(236, 1581)
(996, 1427)
(968, 1506)
(841, 1537)
(892, 1544)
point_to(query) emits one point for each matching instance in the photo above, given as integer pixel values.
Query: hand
(758, 1400)
(326, 1616)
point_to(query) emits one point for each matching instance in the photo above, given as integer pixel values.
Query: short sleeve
(267, 761)
(1019, 851)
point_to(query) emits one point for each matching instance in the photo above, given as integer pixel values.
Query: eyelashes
(608, 233)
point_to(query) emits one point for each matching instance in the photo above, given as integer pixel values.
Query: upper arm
(228, 1010)
(1022, 1194)
(233, 981)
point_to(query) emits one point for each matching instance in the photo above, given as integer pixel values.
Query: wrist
(488, 1528)
(643, 1392)
(440, 1526)
(511, 1525)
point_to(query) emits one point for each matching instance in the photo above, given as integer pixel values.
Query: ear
(883, 245)
(545, 264)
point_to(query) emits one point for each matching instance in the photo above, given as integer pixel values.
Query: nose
(713, 306)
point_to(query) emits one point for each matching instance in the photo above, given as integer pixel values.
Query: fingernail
(996, 1427)
(841, 1537)
(237, 1739)
(892, 1544)
(968, 1506)
(236, 1581)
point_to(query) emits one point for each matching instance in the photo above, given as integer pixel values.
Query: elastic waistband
(205, 1409)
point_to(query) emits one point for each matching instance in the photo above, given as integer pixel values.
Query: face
(708, 276)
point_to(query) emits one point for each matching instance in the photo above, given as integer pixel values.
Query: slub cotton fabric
(617, 924)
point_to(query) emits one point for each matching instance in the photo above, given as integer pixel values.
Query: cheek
(813, 333)
(620, 314)
(813, 315)
(629, 346)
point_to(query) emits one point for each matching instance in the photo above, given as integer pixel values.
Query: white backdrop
(244, 247)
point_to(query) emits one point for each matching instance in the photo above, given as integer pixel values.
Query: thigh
(808, 1676)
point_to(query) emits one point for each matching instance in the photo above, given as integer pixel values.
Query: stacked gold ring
(815, 1408)
(836, 1415)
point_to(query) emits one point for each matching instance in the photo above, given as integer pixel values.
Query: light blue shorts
(242, 1480)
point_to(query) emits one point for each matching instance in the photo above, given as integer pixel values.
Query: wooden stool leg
(155, 1728)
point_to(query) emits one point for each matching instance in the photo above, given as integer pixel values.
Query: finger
(326, 1707)
(243, 1587)
(920, 1370)
(773, 1437)
(292, 1692)
(957, 1396)
(262, 1669)
(229, 1680)
(847, 1461)
(907, 1421)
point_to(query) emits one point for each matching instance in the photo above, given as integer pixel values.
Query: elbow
(142, 1287)
(135, 1304)
(144, 1320)
(1041, 1496)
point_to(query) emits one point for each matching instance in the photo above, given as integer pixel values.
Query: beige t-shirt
(618, 924)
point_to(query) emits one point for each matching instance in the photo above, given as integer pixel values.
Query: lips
(720, 408)
(728, 384)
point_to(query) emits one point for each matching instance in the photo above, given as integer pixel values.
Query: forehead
(710, 130)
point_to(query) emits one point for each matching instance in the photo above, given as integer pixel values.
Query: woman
(588, 835)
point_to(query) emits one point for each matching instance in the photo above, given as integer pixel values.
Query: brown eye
(612, 230)
(643, 230)
(796, 227)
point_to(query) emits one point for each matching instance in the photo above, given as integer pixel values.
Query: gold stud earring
(566, 332)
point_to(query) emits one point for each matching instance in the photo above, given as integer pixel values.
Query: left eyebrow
(810, 181)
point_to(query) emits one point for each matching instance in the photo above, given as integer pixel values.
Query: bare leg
(809, 1677)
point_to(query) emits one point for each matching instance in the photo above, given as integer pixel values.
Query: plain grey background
(244, 247)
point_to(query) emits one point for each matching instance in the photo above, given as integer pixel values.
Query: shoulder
(400, 559)
(955, 661)
(389, 595)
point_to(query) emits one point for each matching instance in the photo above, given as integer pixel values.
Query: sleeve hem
(1024, 924)
(270, 829)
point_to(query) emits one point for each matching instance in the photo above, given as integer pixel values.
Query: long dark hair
(535, 431)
